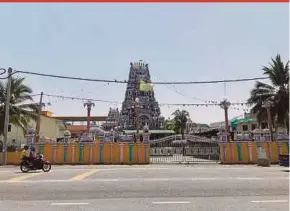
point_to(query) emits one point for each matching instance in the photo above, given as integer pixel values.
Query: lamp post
(268, 104)
(225, 104)
(136, 106)
(40, 106)
(89, 104)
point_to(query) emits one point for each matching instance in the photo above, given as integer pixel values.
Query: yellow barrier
(97, 153)
(246, 152)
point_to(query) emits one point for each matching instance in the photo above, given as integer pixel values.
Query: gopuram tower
(140, 107)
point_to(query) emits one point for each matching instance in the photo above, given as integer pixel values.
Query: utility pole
(268, 105)
(225, 104)
(89, 104)
(6, 121)
(37, 131)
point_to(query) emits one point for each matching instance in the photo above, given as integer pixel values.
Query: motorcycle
(39, 163)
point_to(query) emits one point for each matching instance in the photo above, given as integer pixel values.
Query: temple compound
(112, 119)
(140, 107)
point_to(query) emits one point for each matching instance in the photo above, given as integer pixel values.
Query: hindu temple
(140, 103)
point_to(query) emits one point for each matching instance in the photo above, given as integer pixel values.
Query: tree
(180, 118)
(22, 110)
(277, 93)
(170, 124)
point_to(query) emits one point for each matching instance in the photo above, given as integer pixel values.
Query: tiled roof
(77, 128)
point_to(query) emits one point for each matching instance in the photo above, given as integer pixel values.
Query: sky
(181, 42)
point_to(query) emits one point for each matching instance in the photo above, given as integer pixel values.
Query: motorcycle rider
(32, 155)
(25, 155)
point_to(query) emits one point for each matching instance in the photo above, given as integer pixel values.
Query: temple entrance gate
(193, 149)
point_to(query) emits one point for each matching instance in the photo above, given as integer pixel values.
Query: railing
(186, 137)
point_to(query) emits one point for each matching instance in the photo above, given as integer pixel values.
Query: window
(253, 126)
(245, 127)
(264, 125)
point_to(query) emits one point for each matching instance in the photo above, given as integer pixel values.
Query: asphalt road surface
(139, 188)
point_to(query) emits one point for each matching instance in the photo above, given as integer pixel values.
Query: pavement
(207, 187)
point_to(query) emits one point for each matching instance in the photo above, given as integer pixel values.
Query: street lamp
(137, 101)
(225, 104)
(89, 104)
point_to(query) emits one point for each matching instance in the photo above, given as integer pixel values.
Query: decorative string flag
(146, 87)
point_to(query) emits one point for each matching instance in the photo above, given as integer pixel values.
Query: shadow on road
(30, 172)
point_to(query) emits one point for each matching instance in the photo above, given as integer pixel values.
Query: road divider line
(271, 201)
(107, 180)
(24, 177)
(157, 179)
(70, 204)
(205, 179)
(250, 178)
(84, 175)
(171, 202)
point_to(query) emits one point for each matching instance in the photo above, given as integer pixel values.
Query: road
(156, 187)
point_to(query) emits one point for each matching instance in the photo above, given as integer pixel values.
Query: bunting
(148, 87)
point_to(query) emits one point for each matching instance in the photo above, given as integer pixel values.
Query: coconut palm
(22, 110)
(277, 93)
(180, 118)
(170, 124)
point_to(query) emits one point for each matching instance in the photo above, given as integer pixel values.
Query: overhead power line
(3, 71)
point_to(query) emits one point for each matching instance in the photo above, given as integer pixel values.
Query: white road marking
(158, 179)
(107, 180)
(69, 204)
(171, 202)
(249, 178)
(271, 201)
(206, 179)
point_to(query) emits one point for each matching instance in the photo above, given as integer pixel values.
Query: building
(112, 119)
(76, 130)
(80, 120)
(50, 128)
(193, 127)
(77, 124)
(140, 105)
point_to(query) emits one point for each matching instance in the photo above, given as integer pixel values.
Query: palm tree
(277, 93)
(180, 118)
(170, 124)
(21, 108)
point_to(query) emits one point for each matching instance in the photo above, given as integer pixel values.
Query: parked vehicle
(38, 164)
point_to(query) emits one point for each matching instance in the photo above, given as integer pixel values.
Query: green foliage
(170, 124)
(178, 123)
(22, 110)
(277, 93)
